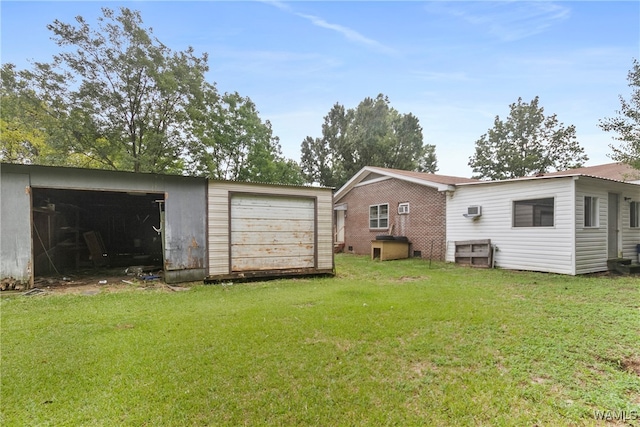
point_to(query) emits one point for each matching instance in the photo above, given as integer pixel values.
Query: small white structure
(260, 230)
(569, 222)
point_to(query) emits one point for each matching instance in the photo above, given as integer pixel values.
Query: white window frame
(403, 208)
(539, 212)
(634, 215)
(378, 220)
(591, 212)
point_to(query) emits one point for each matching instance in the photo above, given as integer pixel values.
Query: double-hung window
(533, 212)
(379, 216)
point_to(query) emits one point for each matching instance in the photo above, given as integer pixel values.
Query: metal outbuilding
(266, 230)
(59, 220)
(56, 220)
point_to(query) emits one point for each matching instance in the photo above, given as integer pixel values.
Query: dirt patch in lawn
(631, 365)
(99, 281)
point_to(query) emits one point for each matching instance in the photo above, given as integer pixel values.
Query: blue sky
(453, 64)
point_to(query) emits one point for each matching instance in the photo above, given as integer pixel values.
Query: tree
(527, 142)
(28, 128)
(323, 158)
(20, 140)
(627, 123)
(373, 134)
(123, 94)
(117, 98)
(231, 142)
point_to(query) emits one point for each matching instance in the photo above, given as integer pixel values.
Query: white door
(340, 226)
(272, 232)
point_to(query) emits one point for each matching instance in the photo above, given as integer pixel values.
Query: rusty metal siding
(95, 179)
(219, 222)
(185, 234)
(15, 228)
(272, 232)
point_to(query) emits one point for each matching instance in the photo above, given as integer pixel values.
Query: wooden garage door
(272, 232)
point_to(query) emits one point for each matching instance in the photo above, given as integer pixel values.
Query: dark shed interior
(76, 230)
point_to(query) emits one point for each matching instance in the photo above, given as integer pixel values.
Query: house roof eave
(368, 170)
(575, 176)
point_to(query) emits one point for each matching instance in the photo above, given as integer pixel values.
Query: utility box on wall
(385, 250)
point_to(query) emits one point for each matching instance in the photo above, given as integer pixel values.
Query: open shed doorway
(77, 232)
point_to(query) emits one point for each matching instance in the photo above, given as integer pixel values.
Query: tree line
(117, 98)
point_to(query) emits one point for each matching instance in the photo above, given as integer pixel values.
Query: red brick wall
(424, 225)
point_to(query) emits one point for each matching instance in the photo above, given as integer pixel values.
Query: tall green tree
(127, 93)
(30, 130)
(526, 142)
(230, 141)
(627, 123)
(323, 159)
(373, 134)
(115, 97)
(20, 140)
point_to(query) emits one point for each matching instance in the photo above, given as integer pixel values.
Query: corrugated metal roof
(619, 172)
(19, 166)
(615, 171)
(273, 184)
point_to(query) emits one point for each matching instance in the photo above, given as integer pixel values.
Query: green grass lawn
(382, 343)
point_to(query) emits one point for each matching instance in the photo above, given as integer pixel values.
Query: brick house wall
(424, 225)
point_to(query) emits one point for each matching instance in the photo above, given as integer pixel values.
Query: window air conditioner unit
(473, 212)
(403, 208)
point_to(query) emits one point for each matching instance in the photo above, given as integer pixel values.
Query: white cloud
(508, 20)
(349, 33)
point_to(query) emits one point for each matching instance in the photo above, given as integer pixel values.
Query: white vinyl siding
(548, 249)
(569, 247)
(591, 242)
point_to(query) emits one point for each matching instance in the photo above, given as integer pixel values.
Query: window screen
(533, 212)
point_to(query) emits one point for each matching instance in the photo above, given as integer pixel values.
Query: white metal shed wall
(222, 195)
(548, 249)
